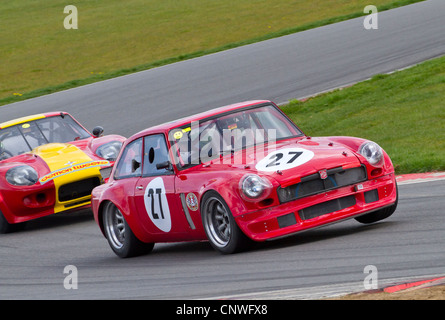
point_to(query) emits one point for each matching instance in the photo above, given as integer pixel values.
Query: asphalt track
(408, 244)
(326, 260)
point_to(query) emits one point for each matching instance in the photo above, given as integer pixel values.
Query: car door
(158, 205)
(126, 175)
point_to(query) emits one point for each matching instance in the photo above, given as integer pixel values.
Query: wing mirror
(164, 165)
(98, 131)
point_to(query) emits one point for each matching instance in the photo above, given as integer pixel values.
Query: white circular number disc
(156, 204)
(284, 159)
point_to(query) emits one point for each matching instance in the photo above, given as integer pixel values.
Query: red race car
(235, 175)
(49, 163)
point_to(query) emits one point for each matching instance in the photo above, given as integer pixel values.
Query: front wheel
(379, 214)
(6, 227)
(119, 235)
(220, 226)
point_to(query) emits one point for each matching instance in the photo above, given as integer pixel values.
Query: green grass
(119, 37)
(403, 112)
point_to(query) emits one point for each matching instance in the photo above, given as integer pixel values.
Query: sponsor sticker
(192, 201)
(67, 170)
(178, 135)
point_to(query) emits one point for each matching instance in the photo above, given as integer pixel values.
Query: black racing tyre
(379, 214)
(220, 227)
(6, 227)
(119, 235)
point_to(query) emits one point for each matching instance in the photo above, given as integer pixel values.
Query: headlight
(254, 187)
(372, 152)
(110, 150)
(22, 176)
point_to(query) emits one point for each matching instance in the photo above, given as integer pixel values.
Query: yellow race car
(49, 163)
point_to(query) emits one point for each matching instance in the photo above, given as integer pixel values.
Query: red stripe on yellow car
(67, 164)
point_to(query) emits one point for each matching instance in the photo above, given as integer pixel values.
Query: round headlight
(254, 187)
(110, 150)
(22, 176)
(372, 152)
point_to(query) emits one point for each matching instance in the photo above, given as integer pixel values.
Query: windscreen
(210, 138)
(26, 136)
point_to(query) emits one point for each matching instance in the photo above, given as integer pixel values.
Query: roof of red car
(187, 120)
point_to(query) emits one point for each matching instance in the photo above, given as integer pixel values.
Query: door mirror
(98, 131)
(164, 165)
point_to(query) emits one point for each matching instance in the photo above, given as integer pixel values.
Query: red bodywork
(268, 218)
(23, 203)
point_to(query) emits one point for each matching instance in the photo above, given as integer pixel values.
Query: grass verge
(117, 38)
(404, 112)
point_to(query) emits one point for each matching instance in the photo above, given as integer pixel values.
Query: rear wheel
(220, 226)
(119, 235)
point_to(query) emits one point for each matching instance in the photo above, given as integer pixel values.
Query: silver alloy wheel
(114, 226)
(217, 222)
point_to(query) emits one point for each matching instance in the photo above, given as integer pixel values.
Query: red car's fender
(102, 194)
(223, 179)
(95, 143)
(22, 203)
(354, 144)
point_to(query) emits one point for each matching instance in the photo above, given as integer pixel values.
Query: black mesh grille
(327, 207)
(371, 196)
(313, 184)
(78, 189)
(287, 220)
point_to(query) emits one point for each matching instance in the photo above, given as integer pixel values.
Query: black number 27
(277, 157)
(151, 193)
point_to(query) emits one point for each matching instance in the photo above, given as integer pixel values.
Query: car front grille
(313, 184)
(327, 207)
(78, 189)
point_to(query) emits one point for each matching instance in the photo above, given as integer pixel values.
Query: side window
(155, 153)
(13, 142)
(129, 164)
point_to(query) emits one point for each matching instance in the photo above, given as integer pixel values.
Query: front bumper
(20, 204)
(320, 209)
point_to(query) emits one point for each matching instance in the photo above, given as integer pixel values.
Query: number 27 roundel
(284, 159)
(156, 204)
